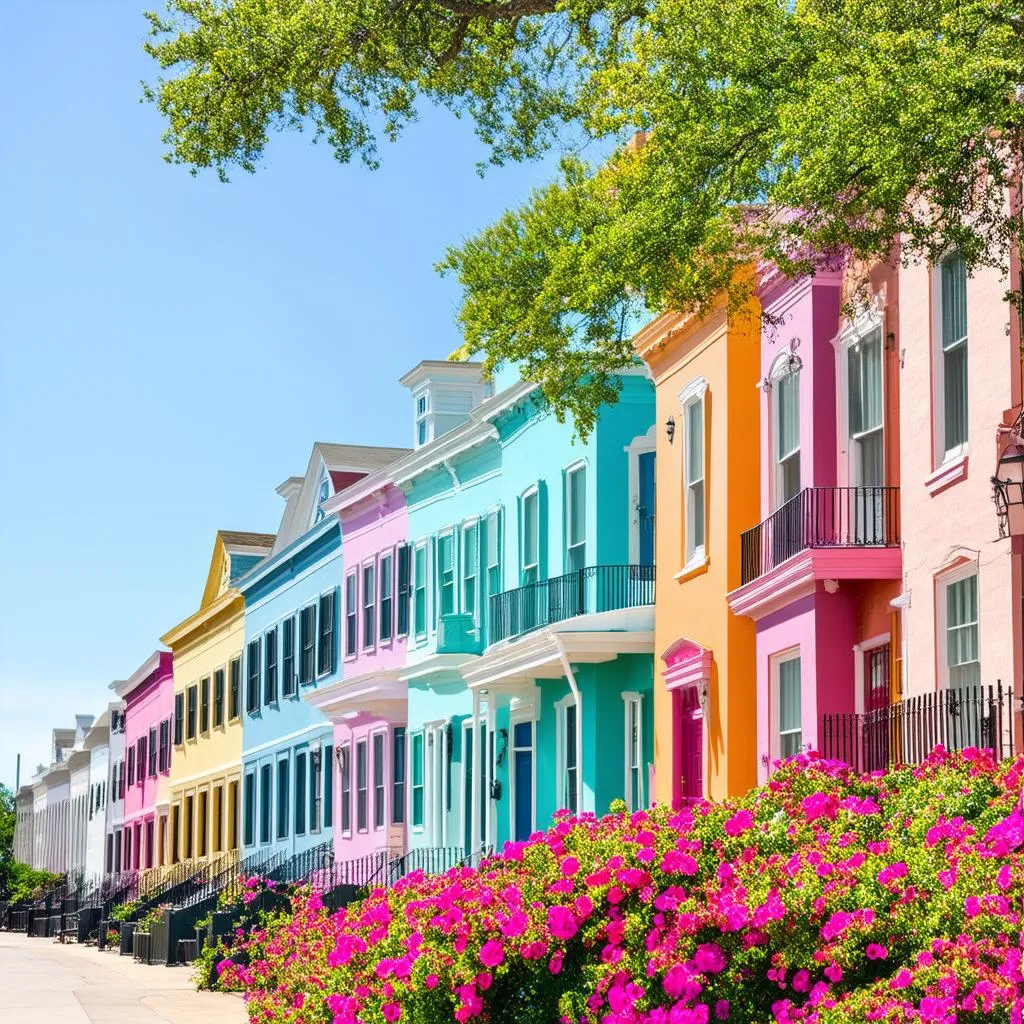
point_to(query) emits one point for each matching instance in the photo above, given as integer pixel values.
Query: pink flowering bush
(822, 897)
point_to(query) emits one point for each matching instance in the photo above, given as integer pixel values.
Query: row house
(113, 853)
(206, 762)
(147, 697)
(292, 651)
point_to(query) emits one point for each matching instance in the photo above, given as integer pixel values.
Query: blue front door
(522, 766)
(645, 512)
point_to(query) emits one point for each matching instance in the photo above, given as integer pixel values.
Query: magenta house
(820, 570)
(148, 697)
(368, 704)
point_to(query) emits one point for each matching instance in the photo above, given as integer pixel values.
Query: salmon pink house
(820, 568)
(148, 696)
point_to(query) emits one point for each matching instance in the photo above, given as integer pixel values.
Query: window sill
(696, 567)
(952, 471)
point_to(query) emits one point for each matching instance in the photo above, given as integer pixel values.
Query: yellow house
(206, 764)
(705, 373)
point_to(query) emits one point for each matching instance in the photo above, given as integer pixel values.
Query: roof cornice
(267, 567)
(176, 636)
(122, 687)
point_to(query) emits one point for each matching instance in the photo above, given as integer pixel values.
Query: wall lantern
(1008, 494)
(702, 697)
(338, 754)
(670, 428)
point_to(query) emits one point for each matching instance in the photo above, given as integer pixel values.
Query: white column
(474, 811)
(488, 824)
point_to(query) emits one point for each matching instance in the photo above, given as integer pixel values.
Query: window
(346, 790)
(152, 751)
(322, 494)
(252, 689)
(369, 606)
(404, 588)
(417, 780)
(235, 673)
(420, 593)
(314, 791)
(362, 794)
(398, 775)
(378, 780)
(962, 633)
(575, 519)
(288, 680)
(570, 777)
(307, 639)
(530, 531)
(351, 614)
(282, 799)
(190, 712)
(634, 751)
(522, 779)
(165, 752)
(693, 473)
(422, 423)
(270, 667)
(865, 411)
(202, 825)
(953, 326)
(470, 567)
(325, 648)
(328, 763)
(790, 724)
(218, 697)
(204, 705)
(266, 783)
(233, 815)
(787, 436)
(493, 530)
(300, 794)
(218, 819)
(446, 572)
(131, 767)
(387, 604)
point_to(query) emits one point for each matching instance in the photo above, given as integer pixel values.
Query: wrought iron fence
(822, 517)
(906, 732)
(595, 588)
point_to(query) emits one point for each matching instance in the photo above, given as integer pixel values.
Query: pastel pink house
(368, 705)
(821, 568)
(148, 697)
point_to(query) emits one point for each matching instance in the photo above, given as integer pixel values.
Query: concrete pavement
(43, 981)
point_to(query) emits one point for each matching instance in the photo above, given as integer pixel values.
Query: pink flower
(1005, 877)
(431, 981)
(819, 805)
(739, 823)
(391, 1012)
(492, 953)
(876, 951)
(570, 866)
(892, 872)
(709, 959)
(903, 979)
(555, 963)
(834, 973)
(722, 1009)
(972, 906)
(561, 923)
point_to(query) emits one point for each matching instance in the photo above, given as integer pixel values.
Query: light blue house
(530, 657)
(292, 602)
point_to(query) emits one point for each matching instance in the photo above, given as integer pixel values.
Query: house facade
(292, 650)
(206, 762)
(822, 564)
(708, 484)
(97, 742)
(148, 699)
(113, 852)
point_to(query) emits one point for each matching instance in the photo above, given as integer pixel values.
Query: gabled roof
(234, 554)
(345, 464)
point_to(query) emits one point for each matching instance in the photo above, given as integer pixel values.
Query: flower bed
(822, 897)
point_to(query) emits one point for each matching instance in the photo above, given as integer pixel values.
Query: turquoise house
(529, 665)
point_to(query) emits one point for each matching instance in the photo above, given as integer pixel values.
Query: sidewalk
(43, 981)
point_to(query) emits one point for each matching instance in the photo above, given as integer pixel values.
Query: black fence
(822, 517)
(595, 588)
(907, 732)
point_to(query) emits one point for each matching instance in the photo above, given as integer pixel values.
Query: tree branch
(505, 10)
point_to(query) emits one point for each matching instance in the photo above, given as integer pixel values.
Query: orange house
(708, 485)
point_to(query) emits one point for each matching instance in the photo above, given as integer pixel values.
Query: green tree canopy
(874, 119)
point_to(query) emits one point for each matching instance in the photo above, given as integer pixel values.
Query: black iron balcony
(596, 588)
(822, 517)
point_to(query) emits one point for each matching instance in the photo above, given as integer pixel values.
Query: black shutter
(179, 717)
(235, 684)
(152, 750)
(325, 648)
(404, 592)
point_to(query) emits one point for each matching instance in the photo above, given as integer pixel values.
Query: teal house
(529, 665)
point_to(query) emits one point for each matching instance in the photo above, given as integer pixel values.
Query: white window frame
(942, 455)
(525, 716)
(388, 556)
(561, 749)
(943, 581)
(633, 702)
(860, 653)
(356, 609)
(361, 741)
(371, 564)
(775, 661)
(372, 817)
(346, 832)
(411, 789)
(780, 370)
(470, 527)
(447, 532)
(869, 320)
(417, 635)
(422, 417)
(324, 479)
(533, 491)
(435, 781)
(642, 445)
(694, 392)
(494, 521)
(580, 466)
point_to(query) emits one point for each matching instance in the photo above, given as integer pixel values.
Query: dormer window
(322, 494)
(422, 420)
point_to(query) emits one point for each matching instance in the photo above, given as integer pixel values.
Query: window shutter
(404, 591)
(179, 715)
(432, 593)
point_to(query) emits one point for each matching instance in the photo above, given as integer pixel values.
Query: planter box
(127, 937)
(140, 947)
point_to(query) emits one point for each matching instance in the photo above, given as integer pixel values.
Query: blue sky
(170, 347)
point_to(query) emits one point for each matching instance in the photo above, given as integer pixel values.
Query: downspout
(578, 699)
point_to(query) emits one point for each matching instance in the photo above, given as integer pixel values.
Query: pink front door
(691, 738)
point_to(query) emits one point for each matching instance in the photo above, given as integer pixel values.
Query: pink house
(960, 378)
(368, 705)
(148, 697)
(821, 568)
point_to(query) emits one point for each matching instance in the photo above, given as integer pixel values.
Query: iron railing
(595, 588)
(822, 517)
(906, 732)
